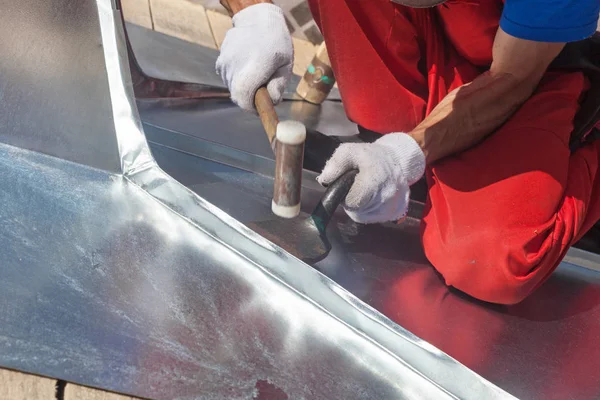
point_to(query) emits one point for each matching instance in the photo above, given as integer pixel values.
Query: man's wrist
(419, 137)
(234, 6)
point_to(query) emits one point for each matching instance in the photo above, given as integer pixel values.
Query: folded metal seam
(133, 148)
(225, 155)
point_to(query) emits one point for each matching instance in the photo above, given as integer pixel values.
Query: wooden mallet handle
(267, 114)
(287, 141)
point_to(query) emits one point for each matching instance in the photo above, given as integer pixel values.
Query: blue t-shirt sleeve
(550, 20)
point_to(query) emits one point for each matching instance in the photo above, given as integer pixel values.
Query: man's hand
(387, 168)
(257, 51)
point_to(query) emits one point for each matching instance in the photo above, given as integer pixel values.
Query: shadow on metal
(306, 238)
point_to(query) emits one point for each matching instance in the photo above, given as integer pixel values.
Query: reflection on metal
(120, 277)
(306, 238)
(583, 258)
(177, 122)
(145, 86)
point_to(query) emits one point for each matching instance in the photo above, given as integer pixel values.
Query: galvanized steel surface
(53, 92)
(105, 286)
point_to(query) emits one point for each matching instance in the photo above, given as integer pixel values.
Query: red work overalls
(500, 216)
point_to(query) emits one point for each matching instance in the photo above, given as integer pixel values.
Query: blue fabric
(550, 20)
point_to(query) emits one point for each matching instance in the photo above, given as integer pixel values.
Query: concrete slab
(76, 392)
(184, 20)
(18, 386)
(219, 24)
(137, 12)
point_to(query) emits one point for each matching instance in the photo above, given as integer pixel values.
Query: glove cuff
(259, 14)
(407, 153)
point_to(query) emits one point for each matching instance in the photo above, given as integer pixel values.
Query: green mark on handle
(320, 77)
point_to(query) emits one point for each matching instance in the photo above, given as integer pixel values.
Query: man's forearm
(470, 113)
(233, 6)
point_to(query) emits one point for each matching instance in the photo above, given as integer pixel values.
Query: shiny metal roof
(138, 276)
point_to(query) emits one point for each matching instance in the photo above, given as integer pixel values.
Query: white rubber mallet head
(289, 157)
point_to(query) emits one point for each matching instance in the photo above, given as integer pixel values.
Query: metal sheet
(166, 57)
(133, 283)
(133, 148)
(241, 141)
(542, 348)
(53, 93)
(438, 369)
(103, 285)
(208, 119)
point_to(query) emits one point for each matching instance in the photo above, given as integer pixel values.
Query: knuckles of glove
(257, 51)
(380, 192)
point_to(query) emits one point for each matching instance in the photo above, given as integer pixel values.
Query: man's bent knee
(487, 266)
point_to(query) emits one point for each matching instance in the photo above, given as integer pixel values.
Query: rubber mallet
(287, 141)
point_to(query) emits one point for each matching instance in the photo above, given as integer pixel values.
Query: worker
(461, 92)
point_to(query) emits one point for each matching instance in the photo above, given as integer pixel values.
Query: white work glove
(387, 168)
(257, 51)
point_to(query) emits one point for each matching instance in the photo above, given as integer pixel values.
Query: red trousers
(500, 216)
